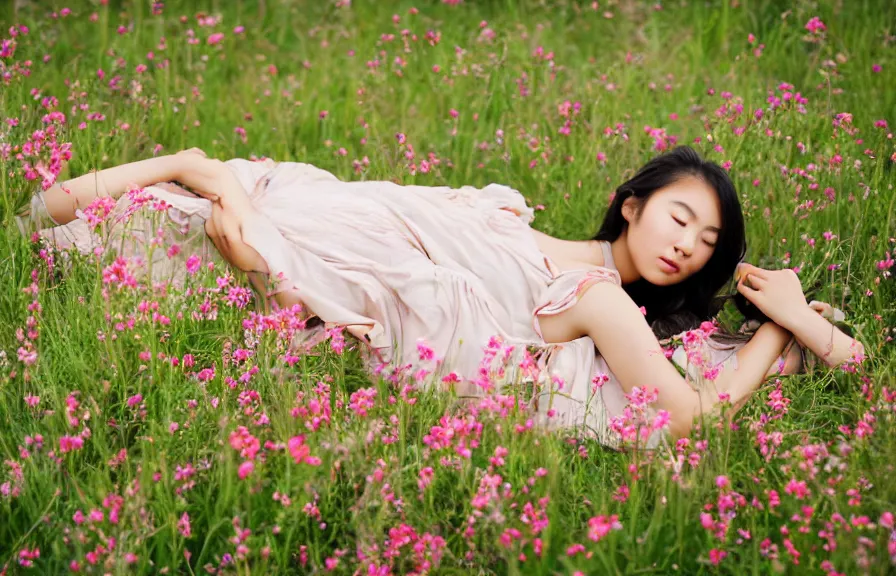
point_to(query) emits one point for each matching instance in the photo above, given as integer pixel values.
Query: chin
(660, 278)
(664, 280)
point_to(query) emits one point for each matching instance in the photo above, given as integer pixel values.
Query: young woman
(463, 270)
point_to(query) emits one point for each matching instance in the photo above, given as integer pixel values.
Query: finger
(194, 151)
(755, 282)
(746, 282)
(827, 311)
(819, 307)
(744, 268)
(218, 242)
(747, 291)
(211, 231)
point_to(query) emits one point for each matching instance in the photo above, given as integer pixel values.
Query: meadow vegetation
(153, 430)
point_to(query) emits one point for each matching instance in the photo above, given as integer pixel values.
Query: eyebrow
(694, 215)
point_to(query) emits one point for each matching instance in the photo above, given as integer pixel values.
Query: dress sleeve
(566, 289)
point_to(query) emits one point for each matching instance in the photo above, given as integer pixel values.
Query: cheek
(651, 238)
(644, 238)
(706, 252)
(663, 224)
(704, 256)
(660, 232)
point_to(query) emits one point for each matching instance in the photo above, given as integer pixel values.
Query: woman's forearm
(824, 339)
(65, 198)
(757, 360)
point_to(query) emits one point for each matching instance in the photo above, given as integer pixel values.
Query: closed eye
(683, 224)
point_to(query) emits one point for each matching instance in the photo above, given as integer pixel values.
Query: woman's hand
(777, 293)
(827, 311)
(192, 151)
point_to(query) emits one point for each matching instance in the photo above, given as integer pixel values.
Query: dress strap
(564, 291)
(608, 255)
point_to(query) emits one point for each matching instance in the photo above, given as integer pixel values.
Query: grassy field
(144, 431)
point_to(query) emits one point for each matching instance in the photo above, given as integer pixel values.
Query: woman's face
(675, 234)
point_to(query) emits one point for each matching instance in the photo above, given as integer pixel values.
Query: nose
(685, 245)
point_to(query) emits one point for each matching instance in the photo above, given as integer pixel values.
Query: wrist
(797, 318)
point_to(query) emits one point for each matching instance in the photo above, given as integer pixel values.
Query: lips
(671, 264)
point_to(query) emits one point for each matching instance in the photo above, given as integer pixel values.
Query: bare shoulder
(553, 247)
(600, 305)
(568, 254)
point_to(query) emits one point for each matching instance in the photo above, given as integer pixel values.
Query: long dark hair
(683, 306)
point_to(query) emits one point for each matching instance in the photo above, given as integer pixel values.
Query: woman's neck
(623, 260)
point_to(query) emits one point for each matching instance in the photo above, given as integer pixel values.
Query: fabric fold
(454, 270)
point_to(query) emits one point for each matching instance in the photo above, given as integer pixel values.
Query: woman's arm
(212, 179)
(609, 316)
(760, 358)
(823, 338)
(779, 294)
(63, 199)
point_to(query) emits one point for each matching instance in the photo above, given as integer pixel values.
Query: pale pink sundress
(455, 267)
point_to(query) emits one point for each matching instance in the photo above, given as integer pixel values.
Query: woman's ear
(629, 208)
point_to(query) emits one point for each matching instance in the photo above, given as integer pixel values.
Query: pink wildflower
(243, 440)
(424, 351)
(600, 526)
(194, 262)
(362, 400)
(300, 451)
(798, 489)
(183, 525)
(70, 443)
(716, 556)
(245, 469)
(815, 25)
(426, 475)
(96, 212)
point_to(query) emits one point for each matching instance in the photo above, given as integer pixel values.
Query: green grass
(341, 508)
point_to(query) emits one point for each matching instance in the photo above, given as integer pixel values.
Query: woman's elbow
(792, 363)
(680, 427)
